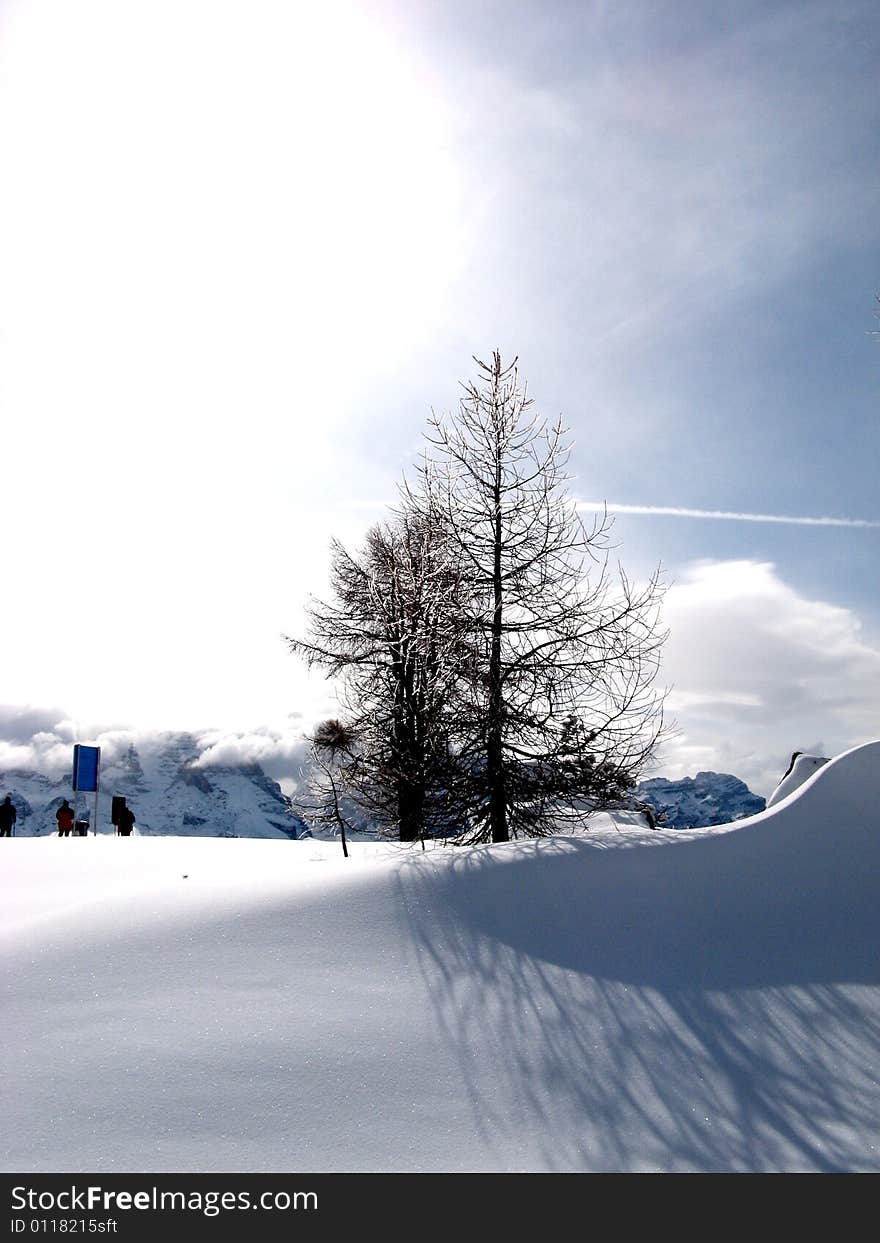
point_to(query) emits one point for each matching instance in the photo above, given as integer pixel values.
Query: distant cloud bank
(41, 740)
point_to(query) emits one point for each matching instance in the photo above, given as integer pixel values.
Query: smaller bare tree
(332, 748)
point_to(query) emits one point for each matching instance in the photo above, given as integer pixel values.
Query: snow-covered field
(699, 1000)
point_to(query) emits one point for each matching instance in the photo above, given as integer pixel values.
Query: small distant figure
(125, 823)
(8, 816)
(64, 816)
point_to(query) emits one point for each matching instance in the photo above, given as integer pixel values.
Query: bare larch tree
(556, 707)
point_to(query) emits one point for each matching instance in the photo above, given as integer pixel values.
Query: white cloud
(41, 739)
(45, 753)
(21, 722)
(759, 670)
(281, 754)
(280, 750)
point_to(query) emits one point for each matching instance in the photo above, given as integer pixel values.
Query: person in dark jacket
(8, 816)
(64, 816)
(126, 822)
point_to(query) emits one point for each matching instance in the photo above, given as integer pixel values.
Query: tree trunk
(411, 811)
(495, 732)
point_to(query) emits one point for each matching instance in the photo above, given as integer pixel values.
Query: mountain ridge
(169, 792)
(699, 802)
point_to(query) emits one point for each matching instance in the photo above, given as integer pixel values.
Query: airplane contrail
(675, 511)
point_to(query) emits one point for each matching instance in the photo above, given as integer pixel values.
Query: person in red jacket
(64, 816)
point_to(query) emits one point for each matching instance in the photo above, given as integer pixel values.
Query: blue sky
(246, 247)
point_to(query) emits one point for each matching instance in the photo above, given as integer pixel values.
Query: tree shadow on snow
(697, 1004)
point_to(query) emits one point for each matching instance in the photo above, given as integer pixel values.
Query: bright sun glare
(222, 215)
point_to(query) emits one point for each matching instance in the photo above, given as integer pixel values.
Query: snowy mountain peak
(695, 802)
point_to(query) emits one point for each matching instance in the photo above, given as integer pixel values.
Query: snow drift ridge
(788, 895)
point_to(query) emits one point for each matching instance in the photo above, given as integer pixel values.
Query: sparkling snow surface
(689, 1000)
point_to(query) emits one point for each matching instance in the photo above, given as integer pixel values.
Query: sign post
(86, 773)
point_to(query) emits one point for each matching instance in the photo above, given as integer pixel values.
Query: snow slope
(687, 1000)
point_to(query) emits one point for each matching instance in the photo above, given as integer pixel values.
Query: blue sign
(85, 767)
